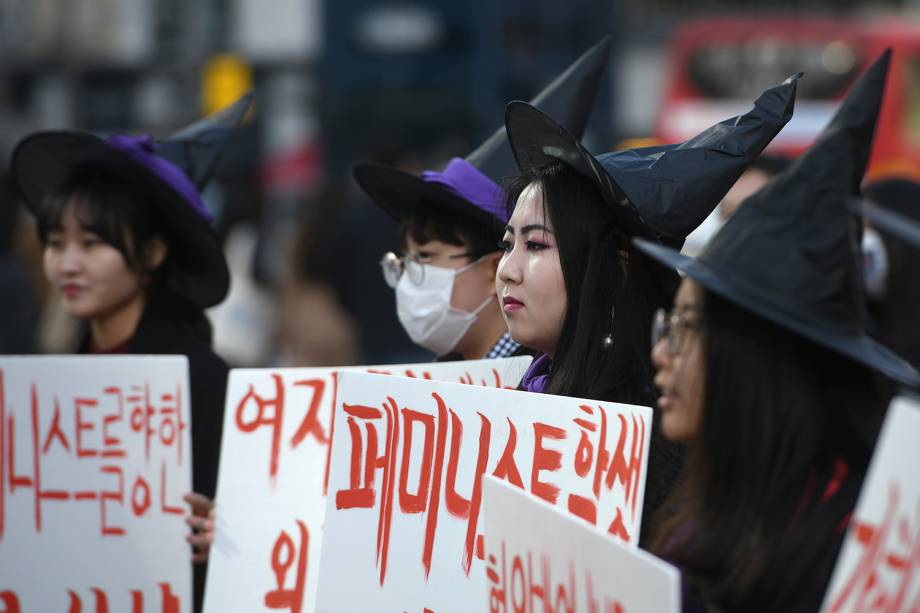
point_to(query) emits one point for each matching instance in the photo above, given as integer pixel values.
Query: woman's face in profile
(678, 357)
(529, 281)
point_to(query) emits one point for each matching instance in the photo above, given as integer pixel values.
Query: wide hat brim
(861, 348)
(400, 194)
(43, 162)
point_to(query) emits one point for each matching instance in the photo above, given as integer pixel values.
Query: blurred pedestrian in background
(892, 269)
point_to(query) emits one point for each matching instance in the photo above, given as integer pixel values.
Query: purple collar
(471, 184)
(537, 376)
(142, 149)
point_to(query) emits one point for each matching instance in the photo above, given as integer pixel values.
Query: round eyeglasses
(674, 327)
(393, 266)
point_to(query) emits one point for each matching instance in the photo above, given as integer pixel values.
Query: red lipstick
(70, 290)
(510, 304)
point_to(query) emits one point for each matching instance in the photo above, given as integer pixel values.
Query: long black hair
(785, 436)
(122, 216)
(611, 289)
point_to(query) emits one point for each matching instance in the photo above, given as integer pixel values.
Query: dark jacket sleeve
(208, 375)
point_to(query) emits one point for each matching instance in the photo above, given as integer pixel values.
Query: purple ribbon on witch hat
(142, 149)
(471, 184)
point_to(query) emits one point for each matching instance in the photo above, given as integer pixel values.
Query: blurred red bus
(716, 67)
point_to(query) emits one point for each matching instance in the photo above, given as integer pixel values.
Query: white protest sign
(272, 480)
(543, 559)
(879, 564)
(402, 526)
(95, 457)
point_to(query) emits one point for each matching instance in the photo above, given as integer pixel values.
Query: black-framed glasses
(393, 266)
(674, 327)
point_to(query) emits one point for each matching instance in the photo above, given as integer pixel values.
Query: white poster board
(541, 559)
(879, 564)
(403, 528)
(95, 457)
(271, 492)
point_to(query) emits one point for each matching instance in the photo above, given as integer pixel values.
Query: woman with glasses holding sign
(128, 242)
(769, 378)
(571, 284)
(451, 223)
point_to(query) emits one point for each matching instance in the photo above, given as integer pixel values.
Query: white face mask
(875, 264)
(424, 309)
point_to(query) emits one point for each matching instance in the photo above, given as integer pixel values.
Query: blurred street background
(408, 83)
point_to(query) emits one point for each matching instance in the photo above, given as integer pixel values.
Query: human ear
(155, 253)
(491, 267)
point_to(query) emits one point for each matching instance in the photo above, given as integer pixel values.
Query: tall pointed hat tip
(879, 68)
(605, 43)
(238, 110)
(569, 98)
(197, 148)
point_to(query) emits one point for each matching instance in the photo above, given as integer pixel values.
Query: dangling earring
(608, 339)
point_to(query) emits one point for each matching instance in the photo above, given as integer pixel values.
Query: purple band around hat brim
(142, 149)
(468, 182)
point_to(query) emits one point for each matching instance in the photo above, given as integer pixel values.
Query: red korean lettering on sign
(98, 602)
(386, 439)
(169, 602)
(288, 555)
(887, 575)
(362, 492)
(465, 378)
(255, 411)
(594, 461)
(424, 495)
(10, 602)
(519, 581)
(89, 428)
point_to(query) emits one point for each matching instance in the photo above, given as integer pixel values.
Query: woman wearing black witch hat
(128, 243)
(571, 284)
(768, 376)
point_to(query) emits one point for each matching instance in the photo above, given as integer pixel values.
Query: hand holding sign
(201, 521)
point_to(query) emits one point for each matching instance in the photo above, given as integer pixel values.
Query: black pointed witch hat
(470, 185)
(662, 192)
(197, 148)
(172, 172)
(790, 254)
